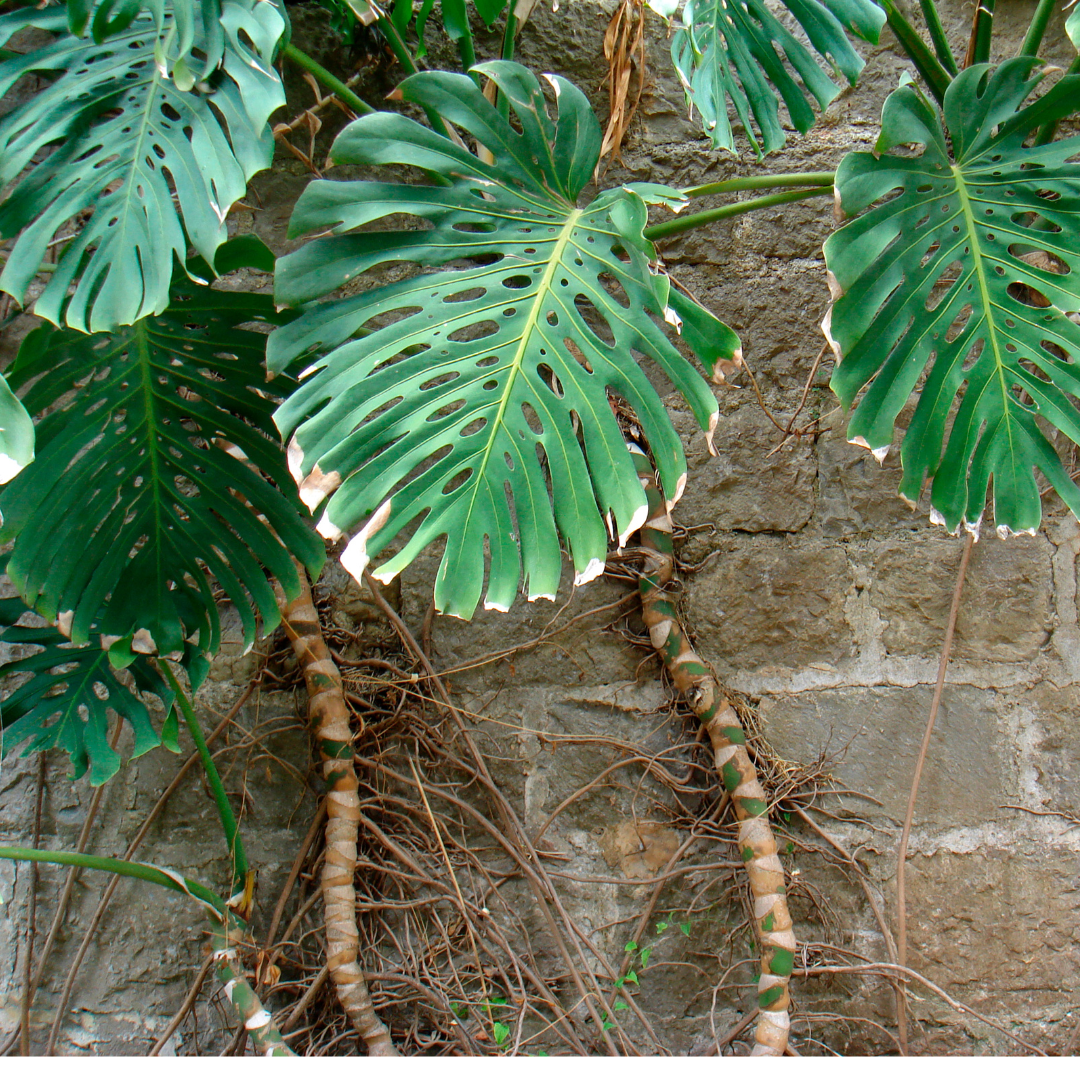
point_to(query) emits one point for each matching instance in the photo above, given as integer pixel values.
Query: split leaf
(154, 160)
(477, 403)
(740, 50)
(147, 477)
(959, 281)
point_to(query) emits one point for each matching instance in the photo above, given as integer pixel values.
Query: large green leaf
(156, 166)
(141, 484)
(480, 398)
(959, 283)
(65, 698)
(739, 49)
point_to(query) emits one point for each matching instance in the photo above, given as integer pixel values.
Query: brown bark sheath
(329, 715)
(772, 922)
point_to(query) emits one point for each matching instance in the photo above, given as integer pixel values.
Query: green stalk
(937, 36)
(331, 82)
(509, 34)
(1036, 31)
(213, 777)
(397, 43)
(142, 871)
(468, 56)
(693, 221)
(1049, 129)
(984, 26)
(758, 183)
(926, 63)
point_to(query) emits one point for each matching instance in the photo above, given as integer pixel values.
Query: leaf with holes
(477, 403)
(156, 464)
(193, 19)
(740, 50)
(957, 281)
(113, 138)
(64, 694)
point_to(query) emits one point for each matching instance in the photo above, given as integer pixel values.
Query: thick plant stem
(1037, 30)
(329, 715)
(256, 1019)
(762, 183)
(926, 63)
(692, 677)
(213, 778)
(937, 36)
(719, 213)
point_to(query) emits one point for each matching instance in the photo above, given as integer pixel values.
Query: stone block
(1005, 611)
(870, 737)
(856, 494)
(1056, 749)
(743, 487)
(766, 601)
(997, 927)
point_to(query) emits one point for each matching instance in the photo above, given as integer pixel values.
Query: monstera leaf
(191, 18)
(65, 699)
(153, 160)
(141, 484)
(480, 399)
(736, 48)
(960, 283)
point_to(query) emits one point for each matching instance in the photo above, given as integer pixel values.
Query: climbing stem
(757, 846)
(705, 217)
(213, 778)
(331, 82)
(330, 719)
(760, 183)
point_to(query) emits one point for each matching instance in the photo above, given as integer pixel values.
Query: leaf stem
(213, 777)
(718, 213)
(1037, 30)
(142, 871)
(937, 36)
(1049, 129)
(926, 63)
(981, 29)
(331, 82)
(757, 183)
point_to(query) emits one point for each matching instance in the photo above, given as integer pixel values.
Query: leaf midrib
(516, 364)
(992, 332)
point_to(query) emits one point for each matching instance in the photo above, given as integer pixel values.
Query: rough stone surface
(1006, 615)
(871, 736)
(765, 601)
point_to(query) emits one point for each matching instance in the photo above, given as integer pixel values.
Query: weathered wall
(819, 594)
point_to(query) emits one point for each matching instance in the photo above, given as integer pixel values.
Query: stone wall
(817, 594)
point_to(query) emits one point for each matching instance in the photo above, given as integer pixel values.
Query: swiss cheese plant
(743, 52)
(125, 135)
(476, 402)
(156, 462)
(959, 282)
